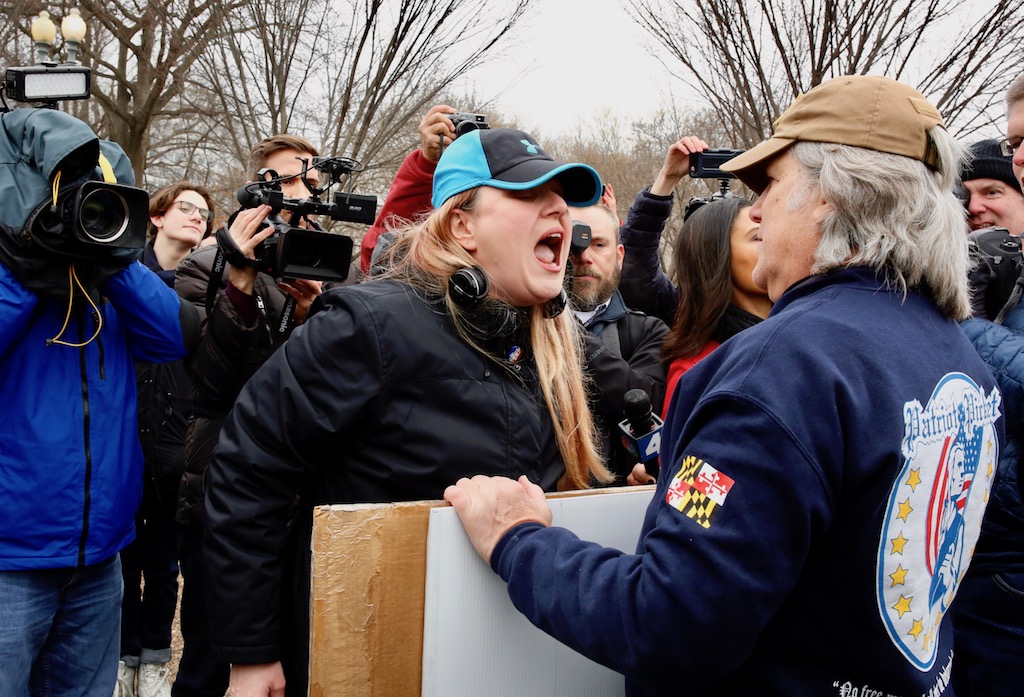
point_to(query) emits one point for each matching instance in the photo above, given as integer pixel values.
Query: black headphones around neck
(468, 287)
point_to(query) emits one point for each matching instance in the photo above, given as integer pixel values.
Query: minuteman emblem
(934, 511)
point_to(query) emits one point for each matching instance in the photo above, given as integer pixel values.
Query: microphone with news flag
(641, 429)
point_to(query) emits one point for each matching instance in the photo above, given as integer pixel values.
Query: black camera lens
(465, 127)
(306, 254)
(102, 215)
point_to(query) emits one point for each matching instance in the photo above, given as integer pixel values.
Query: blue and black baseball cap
(505, 158)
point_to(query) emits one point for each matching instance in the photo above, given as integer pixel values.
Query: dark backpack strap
(633, 336)
(610, 337)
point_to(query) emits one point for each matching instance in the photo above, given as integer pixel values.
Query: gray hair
(893, 214)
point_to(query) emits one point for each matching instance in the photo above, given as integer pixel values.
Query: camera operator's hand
(247, 231)
(677, 164)
(434, 128)
(304, 292)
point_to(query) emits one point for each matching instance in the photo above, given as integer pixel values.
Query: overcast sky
(575, 59)
(572, 59)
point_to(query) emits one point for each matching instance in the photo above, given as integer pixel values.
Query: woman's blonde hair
(426, 255)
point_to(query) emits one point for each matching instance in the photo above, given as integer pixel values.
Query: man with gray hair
(825, 472)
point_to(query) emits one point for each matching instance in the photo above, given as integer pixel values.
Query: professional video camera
(91, 221)
(85, 219)
(297, 252)
(997, 254)
(707, 165)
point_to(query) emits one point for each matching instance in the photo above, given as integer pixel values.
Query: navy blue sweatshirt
(823, 482)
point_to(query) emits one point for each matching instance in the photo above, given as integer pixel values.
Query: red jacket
(679, 366)
(408, 198)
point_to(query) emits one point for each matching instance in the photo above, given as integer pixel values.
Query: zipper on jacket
(266, 318)
(87, 502)
(99, 340)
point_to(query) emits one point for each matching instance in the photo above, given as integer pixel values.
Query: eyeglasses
(189, 208)
(1008, 146)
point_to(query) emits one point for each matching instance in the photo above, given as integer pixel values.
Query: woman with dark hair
(713, 262)
(457, 361)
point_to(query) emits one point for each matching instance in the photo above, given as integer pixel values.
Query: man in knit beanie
(994, 197)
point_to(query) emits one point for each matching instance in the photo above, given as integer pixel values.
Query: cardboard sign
(402, 605)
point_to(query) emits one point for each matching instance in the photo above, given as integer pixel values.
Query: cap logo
(530, 147)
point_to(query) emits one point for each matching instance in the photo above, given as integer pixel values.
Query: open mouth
(549, 248)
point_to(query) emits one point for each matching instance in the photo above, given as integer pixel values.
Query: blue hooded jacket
(70, 460)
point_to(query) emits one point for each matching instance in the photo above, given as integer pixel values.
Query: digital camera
(707, 164)
(999, 253)
(463, 123)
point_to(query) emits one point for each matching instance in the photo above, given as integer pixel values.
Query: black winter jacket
(623, 352)
(227, 356)
(165, 405)
(644, 286)
(375, 398)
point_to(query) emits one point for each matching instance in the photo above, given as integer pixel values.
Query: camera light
(47, 83)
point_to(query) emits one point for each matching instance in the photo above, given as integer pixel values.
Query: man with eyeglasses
(988, 614)
(244, 322)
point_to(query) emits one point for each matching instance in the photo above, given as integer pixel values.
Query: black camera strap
(213, 283)
(226, 246)
(229, 253)
(1011, 302)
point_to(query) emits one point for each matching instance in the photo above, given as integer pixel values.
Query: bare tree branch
(750, 60)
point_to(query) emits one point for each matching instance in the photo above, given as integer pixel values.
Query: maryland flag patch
(698, 490)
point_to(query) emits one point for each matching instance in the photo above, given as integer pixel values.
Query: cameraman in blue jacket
(75, 315)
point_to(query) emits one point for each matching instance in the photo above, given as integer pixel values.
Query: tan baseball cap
(866, 111)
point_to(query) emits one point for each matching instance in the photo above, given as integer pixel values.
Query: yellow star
(914, 479)
(899, 576)
(916, 629)
(905, 510)
(897, 544)
(902, 606)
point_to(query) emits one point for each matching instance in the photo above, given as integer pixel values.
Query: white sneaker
(125, 686)
(153, 680)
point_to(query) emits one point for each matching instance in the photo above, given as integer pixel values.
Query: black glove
(978, 281)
